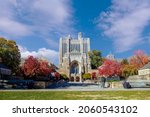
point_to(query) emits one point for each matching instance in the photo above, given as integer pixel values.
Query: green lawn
(74, 95)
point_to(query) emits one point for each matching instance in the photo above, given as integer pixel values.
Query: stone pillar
(86, 68)
(68, 44)
(89, 64)
(74, 78)
(67, 65)
(81, 42)
(68, 71)
(88, 44)
(80, 77)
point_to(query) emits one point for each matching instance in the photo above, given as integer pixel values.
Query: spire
(79, 35)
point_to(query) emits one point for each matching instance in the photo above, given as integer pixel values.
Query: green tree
(10, 54)
(96, 58)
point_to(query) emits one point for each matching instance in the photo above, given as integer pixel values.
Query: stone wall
(116, 84)
(138, 78)
(139, 81)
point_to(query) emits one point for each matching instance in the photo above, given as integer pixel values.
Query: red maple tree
(139, 59)
(110, 68)
(30, 66)
(44, 69)
(33, 67)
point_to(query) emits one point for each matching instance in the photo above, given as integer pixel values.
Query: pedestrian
(102, 82)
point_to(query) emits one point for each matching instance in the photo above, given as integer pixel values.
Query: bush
(64, 77)
(113, 79)
(94, 76)
(86, 76)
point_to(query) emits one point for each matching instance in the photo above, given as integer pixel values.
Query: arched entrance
(74, 67)
(74, 71)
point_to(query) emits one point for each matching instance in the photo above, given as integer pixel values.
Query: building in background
(73, 56)
(110, 56)
(144, 72)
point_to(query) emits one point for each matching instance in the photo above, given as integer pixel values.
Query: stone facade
(145, 72)
(73, 56)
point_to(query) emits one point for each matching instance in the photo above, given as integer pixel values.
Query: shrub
(94, 76)
(64, 77)
(86, 76)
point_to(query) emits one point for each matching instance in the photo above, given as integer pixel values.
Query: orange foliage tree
(129, 70)
(139, 59)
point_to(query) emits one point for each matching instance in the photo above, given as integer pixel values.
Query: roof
(147, 66)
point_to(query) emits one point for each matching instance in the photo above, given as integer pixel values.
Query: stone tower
(73, 56)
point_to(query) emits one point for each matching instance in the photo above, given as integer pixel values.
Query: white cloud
(48, 54)
(124, 22)
(9, 27)
(48, 19)
(47, 16)
(8, 24)
(52, 43)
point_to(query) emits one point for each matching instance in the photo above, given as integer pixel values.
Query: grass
(74, 95)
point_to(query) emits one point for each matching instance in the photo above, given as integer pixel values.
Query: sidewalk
(81, 89)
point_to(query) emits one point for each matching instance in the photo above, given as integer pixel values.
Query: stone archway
(75, 71)
(74, 67)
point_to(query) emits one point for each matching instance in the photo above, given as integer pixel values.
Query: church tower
(73, 56)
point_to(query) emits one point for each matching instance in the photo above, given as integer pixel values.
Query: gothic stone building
(73, 57)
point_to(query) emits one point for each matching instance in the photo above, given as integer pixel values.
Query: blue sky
(117, 26)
